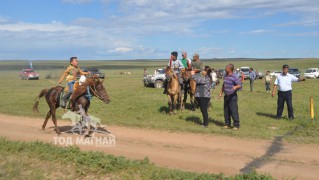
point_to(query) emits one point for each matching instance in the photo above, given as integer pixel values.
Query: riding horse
(174, 92)
(191, 88)
(53, 98)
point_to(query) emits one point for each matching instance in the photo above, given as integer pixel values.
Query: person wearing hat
(197, 65)
(283, 84)
(252, 78)
(186, 61)
(176, 65)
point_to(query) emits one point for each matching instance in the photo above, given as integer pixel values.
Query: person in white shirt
(283, 82)
(214, 79)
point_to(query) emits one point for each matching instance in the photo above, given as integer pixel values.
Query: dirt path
(186, 151)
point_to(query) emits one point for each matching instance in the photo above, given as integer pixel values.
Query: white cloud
(77, 1)
(257, 31)
(122, 50)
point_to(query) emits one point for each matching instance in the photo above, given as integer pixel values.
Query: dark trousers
(282, 98)
(267, 85)
(203, 105)
(231, 109)
(251, 85)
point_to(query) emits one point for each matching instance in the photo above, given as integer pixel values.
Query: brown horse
(53, 97)
(186, 75)
(173, 91)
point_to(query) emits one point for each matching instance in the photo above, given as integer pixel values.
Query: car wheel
(158, 84)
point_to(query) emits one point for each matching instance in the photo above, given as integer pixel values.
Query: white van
(312, 73)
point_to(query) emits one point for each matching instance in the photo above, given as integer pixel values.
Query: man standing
(214, 79)
(268, 79)
(186, 61)
(176, 65)
(229, 88)
(197, 65)
(284, 80)
(252, 77)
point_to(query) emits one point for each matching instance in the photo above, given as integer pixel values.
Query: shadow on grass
(266, 115)
(198, 121)
(164, 109)
(275, 147)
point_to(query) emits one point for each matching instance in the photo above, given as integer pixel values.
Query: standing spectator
(252, 77)
(214, 79)
(202, 93)
(145, 72)
(268, 79)
(257, 74)
(229, 88)
(284, 80)
(242, 80)
(197, 64)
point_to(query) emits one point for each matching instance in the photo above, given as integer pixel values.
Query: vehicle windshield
(245, 70)
(29, 71)
(293, 71)
(309, 71)
(161, 71)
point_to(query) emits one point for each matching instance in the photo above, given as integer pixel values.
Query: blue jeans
(213, 84)
(70, 85)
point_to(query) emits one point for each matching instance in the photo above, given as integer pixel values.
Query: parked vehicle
(294, 71)
(245, 70)
(312, 73)
(155, 80)
(260, 75)
(28, 74)
(275, 73)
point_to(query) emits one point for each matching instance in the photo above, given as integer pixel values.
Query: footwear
(277, 117)
(291, 118)
(63, 104)
(226, 127)
(204, 126)
(235, 128)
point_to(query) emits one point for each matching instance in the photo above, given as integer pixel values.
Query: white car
(275, 73)
(312, 73)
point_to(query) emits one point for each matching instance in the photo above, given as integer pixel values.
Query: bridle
(96, 93)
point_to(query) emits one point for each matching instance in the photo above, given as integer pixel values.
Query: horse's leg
(46, 120)
(192, 101)
(175, 103)
(170, 104)
(53, 113)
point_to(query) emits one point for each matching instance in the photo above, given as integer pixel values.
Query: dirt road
(187, 151)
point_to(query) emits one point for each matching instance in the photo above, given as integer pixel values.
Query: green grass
(37, 160)
(136, 106)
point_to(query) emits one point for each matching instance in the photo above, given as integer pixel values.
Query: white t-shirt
(214, 76)
(284, 81)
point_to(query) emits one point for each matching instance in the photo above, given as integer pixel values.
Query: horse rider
(197, 64)
(176, 66)
(71, 75)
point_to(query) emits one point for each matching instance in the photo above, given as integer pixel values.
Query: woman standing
(202, 94)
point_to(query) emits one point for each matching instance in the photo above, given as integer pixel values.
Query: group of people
(205, 79)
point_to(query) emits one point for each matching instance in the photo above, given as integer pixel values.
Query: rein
(97, 94)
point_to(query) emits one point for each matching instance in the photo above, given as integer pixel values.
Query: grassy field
(36, 160)
(136, 106)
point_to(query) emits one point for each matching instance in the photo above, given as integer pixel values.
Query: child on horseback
(71, 73)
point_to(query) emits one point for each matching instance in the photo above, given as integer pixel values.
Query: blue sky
(142, 29)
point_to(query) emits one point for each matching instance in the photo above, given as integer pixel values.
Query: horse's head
(169, 71)
(100, 91)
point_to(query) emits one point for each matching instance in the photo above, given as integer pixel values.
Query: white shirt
(176, 65)
(214, 76)
(284, 81)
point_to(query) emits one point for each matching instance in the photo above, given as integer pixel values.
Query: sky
(151, 29)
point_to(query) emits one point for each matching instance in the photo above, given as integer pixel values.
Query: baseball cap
(285, 66)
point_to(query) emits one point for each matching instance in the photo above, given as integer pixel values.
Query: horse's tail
(36, 103)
